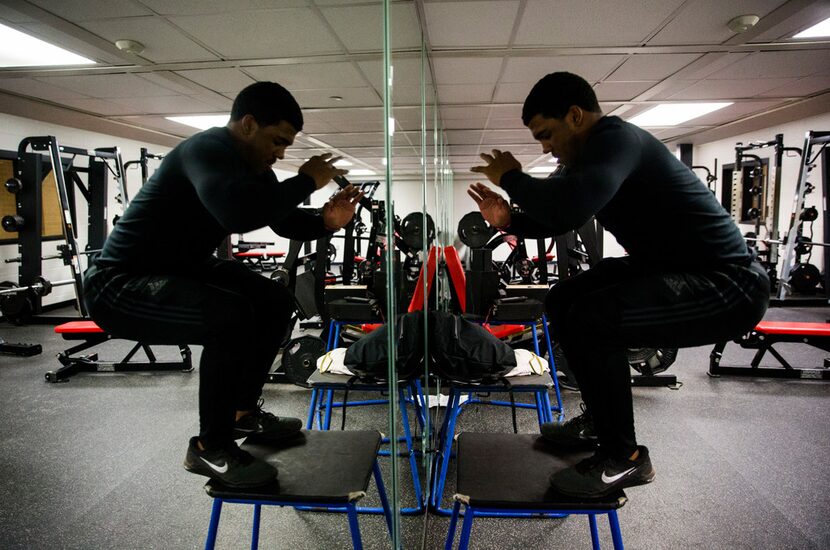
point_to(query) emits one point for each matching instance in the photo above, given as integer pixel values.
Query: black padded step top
(501, 470)
(316, 466)
(519, 383)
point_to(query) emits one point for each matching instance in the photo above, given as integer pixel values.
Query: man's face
(556, 135)
(264, 145)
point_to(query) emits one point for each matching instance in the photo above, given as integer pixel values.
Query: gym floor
(96, 463)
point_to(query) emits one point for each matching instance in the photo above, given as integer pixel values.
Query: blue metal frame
(322, 400)
(350, 508)
(471, 512)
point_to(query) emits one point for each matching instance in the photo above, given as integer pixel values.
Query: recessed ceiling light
(672, 114)
(202, 122)
(21, 50)
(336, 97)
(816, 31)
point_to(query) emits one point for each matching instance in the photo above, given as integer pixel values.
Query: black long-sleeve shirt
(657, 208)
(203, 191)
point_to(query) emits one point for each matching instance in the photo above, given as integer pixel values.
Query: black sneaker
(600, 475)
(576, 433)
(264, 427)
(230, 465)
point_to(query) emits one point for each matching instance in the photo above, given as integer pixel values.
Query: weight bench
(508, 474)
(259, 260)
(763, 337)
(92, 335)
(328, 471)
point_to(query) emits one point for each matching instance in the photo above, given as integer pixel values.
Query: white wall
(12, 130)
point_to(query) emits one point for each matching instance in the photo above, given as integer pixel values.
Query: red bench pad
(784, 327)
(78, 327)
(255, 254)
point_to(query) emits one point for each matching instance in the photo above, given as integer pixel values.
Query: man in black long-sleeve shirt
(157, 281)
(688, 278)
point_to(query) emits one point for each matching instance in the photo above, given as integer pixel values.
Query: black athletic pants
(240, 317)
(597, 315)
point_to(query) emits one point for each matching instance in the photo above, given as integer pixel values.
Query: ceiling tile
(471, 93)
(800, 87)
(172, 105)
(464, 137)
(109, 85)
(8, 15)
(530, 69)
(577, 22)
(776, 65)
(621, 91)
(226, 81)
(506, 137)
(506, 124)
(346, 20)
(352, 97)
(84, 10)
(704, 21)
(310, 76)
(268, 33)
(463, 112)
(512, 92)
(198, 7)
(464, 123)
(652, 66)
(35, 88)
(467, 70)
(345, 140)
(163, 43)
(453, 24)
(98, 106)
(729, 89)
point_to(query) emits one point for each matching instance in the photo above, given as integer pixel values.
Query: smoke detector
(742, 23)
(129, 46)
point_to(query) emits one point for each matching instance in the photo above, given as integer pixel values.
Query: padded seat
(502, 473)
(316, 469)
(537, 385)
(763, 337)
(91, 335)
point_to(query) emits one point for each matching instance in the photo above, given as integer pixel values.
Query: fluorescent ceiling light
(342, 162)
(202, 122)
(361, 172)
(21, 50)
(672, 114)
(554, 160)
(816, 31)
(541, 170)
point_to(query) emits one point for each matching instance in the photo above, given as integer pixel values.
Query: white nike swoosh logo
(218, 469)
(612, 479)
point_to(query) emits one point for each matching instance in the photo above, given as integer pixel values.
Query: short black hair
(269, 103)
(555, 93)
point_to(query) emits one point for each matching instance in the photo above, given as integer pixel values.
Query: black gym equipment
(17, 303)
(474, 231)
(299, 360)
(30, 169)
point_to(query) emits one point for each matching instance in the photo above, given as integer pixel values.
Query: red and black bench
(90, 335)
(763, 337)
(259, 259)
